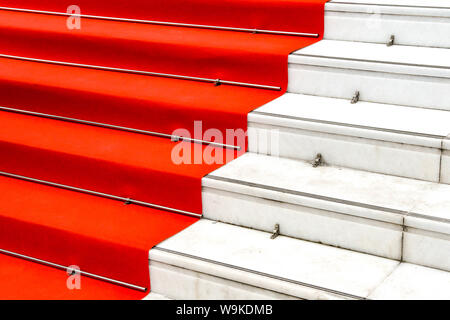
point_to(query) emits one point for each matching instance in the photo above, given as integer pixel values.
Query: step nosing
(271, 276)
(308, 195)
(386, 5)
(349, 125)
(427, 217)
(372, 61)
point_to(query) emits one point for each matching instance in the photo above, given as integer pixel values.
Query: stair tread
(377, 116)
(295, 260)
(413, 282)
(286, 178)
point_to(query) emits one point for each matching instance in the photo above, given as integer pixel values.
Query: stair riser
(306, 223)
(445, 173)
(390, 88)
(181, 277)
(373, 26)
(379, 156)
(181, 284)
(381, 239)
(421, 241)
(427, 249)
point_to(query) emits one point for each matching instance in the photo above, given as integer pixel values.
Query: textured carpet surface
(105, 236)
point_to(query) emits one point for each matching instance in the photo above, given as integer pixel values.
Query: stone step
(412, 22)
(402, 75)
(396, 140)
(211, 260)
(393, 217)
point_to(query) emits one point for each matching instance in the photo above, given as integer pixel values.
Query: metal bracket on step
(217, 82)
(391, 41)
(355, 97)
(318, 160)
(276, 232)
(71, 271)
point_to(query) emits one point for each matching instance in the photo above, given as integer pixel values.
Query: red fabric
(132, 165)
(104, 236)
(286, 15)
(23, 280)
(101, 236)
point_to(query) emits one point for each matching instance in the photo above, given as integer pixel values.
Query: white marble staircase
(372, 220)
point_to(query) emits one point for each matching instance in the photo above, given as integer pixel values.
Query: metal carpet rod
(166, 23)
(84, 273)
(110, 126)
(100, 194)
(145, 73)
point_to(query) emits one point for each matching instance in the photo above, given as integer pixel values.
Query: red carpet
(105, 236)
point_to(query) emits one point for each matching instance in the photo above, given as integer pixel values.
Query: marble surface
(412, 26)
(330, 183)
(445, 167)
(413, 3)
(363, 115)
(338, 149)
(427, 249)
(379, 57)
(340, 81)
(156, 296)
(307, 223)
(412, 282)
(182, 284)
(389, 139)
(244, 249)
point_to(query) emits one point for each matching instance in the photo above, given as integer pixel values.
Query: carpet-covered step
(403, 75)
(211, 260)
(100, 236)
(25, 280)
(389, 139)
(445, 174)
(411, 22)
(205, 53)
(119, 163)
(388, 216)
(293, 16)
(135, 101)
